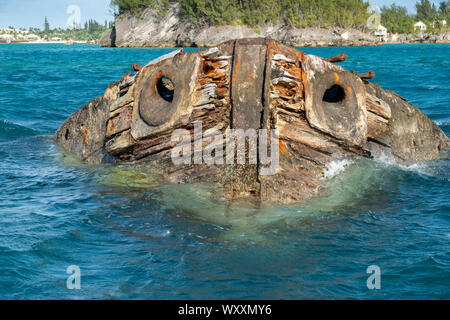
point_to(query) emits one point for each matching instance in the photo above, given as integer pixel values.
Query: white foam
(385, 158)
(421, 168)
(335, 167)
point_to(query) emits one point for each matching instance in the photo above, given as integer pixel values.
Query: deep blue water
(133, 239)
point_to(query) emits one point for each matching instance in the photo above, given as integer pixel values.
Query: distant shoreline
(308, 45)
(44, 42)
(150, 29)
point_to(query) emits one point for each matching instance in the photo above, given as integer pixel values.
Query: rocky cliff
(172, 30)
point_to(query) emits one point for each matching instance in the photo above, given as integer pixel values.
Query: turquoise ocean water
(135, 239)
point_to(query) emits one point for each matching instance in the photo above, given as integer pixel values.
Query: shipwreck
(312, 109)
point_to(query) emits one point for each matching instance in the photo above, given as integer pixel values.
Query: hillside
(163, 23)
(252, 13)
(154, 27)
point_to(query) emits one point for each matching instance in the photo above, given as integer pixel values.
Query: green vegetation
(433, 16)
(300, 13)
(92, 31)
(425, 10)
(397, 20)
(46, 25)
(136, 6)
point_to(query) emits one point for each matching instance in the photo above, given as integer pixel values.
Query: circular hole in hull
(166, 89)
(335, 94)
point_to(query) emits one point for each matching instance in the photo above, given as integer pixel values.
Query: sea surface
(135, 239)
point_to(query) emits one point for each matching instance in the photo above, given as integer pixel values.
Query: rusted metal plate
(156, 103)
(320, 111)
(156, 110)
(121, 143)
(247, 84)
(335, 101)
(120, 122)
(84, 132)
(378, 106)
(247, 96)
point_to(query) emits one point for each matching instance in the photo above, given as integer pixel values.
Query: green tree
(301, 13)
(396, 19)
(444, 10)
(46, 25)
(426, 11)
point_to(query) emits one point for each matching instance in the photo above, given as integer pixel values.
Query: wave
(426, 168)
(338, 166)
(10, 130)
(335, 167)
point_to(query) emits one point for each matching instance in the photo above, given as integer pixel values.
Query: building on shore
(13, 30)
(381, 33)
(6, 38)
(420, 26)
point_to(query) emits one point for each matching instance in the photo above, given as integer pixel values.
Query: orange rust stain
(125, 76)
(236, 70)
(85, 138)
(111, 126)
(350, 90)
(300, 54)
(272, 47)
(336, 76)
(282, 146)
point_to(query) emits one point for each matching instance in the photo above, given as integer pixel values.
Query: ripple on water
(134, 238)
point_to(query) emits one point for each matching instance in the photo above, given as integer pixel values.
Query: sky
(409, 4)
(31, 13)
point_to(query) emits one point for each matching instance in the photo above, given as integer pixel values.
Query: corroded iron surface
(320, 110)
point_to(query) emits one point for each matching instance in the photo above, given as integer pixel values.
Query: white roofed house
(6, 38)
(32, 36)
(381, 33)
(420, 26)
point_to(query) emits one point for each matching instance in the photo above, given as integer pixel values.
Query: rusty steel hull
(321, 112)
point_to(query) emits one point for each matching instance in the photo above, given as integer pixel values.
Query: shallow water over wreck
(133, 238)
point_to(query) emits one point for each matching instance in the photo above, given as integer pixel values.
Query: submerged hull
(297, 112)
